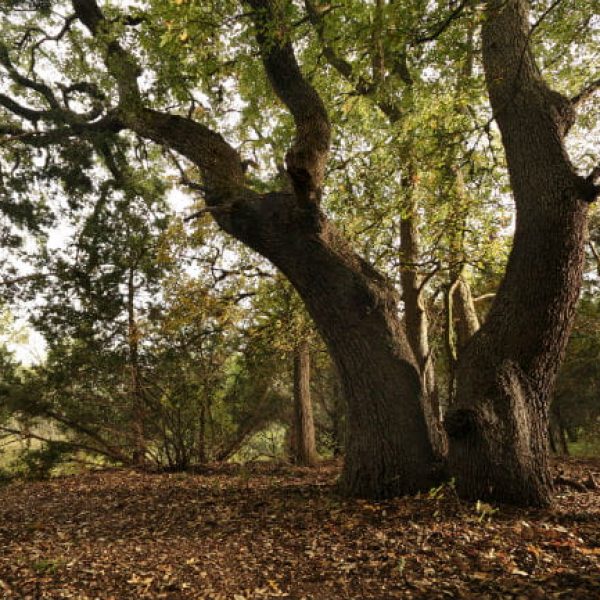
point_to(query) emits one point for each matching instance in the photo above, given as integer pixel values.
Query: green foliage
(575, 407)
(39, 463)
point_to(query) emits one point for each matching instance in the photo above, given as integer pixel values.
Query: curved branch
(219, 162)
(40, 88)
(55, 113)
(306, 159)
(24, 112)
(40, 139)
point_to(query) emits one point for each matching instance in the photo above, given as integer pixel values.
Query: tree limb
(440, 27)
(307, 157)
(40, 88)
(24, 112)
(219, 162)
(221, 208)
(341, 65)
(361, 86)
(41, 139)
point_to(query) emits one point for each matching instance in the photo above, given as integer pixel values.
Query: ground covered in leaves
(271, 532)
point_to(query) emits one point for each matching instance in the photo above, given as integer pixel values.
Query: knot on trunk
(460, 423)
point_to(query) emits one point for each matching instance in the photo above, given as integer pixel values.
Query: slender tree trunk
(467, 321)
(461, 317)
(305, 447)
(558, 424)
(202, 433)
(564, 444)
(386, 68)
(137, 396)
(499, 426)
(417, 325)
(461, 324)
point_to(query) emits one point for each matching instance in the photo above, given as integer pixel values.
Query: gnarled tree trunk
(498, 426)
(388, 451)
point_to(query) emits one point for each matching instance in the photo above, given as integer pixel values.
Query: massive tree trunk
(498, 426)
(386, 70)
(388, 451)
(355, 309)
(498, 446)
(304, 443)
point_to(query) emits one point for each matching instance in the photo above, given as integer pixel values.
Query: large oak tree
(497, 429)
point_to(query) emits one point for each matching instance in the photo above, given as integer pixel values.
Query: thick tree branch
(222, 208)
(516, 86)
(219, 162)
(306, 159)
(41, 139)
(515, 354)
(24, 112)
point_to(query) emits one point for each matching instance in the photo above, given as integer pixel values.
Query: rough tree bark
(304, 442)
(498, 426)
(354, 307)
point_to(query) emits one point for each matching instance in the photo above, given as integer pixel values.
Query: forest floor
(281, 532)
